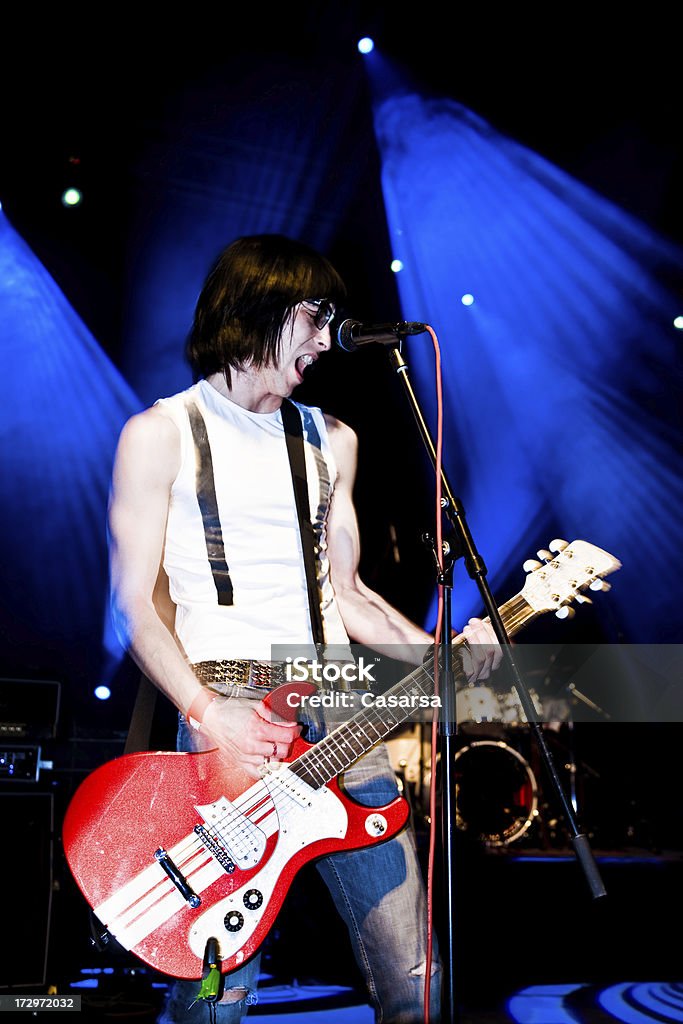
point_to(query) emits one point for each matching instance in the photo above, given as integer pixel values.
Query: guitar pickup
(177, 878)
(215, 849)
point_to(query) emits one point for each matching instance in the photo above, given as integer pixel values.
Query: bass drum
(496, 796)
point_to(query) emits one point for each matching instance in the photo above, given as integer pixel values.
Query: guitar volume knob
(233, 921)
(253, 899)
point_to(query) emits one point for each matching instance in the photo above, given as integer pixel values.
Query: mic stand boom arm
(477, 571)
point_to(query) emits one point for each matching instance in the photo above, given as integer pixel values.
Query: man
(208, 573)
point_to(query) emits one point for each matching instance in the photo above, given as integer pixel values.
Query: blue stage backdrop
(555, 314)
(64, 404)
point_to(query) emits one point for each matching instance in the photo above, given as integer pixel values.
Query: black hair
(247, 297)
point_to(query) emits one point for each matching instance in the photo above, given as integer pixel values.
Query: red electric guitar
(173, 849)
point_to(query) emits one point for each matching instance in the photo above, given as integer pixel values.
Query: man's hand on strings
(481, 652)
(247, 733)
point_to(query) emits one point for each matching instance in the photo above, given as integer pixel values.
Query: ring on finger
(267, 757)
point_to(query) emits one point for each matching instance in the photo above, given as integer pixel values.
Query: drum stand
(463, 546)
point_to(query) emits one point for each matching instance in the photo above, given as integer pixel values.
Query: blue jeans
(379, 893)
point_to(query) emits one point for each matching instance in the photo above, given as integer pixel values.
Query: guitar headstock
(565, 572)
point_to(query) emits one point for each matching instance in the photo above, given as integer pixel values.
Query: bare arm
(147, 460)
(368, 618)
(146, 464)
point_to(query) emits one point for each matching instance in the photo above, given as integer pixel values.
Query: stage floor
(530, 947)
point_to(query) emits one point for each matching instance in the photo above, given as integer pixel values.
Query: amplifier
(27, 868)
(29, 709)
(21, 763)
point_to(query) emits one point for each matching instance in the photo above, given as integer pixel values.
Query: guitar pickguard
(233, 920)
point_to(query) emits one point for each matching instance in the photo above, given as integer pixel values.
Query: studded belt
(264, 675)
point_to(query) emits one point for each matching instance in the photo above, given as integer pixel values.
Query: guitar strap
(208, 506)
(291, 420)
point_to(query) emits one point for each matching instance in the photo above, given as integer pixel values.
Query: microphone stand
(477, 571)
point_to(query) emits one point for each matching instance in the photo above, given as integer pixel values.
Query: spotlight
(397, 266)
(71, 197)
(365, 45)
(467, 299)
(678, 323)
(102, 692)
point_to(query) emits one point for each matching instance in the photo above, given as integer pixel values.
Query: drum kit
(497, 792)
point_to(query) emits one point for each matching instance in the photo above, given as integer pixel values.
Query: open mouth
(303, 363)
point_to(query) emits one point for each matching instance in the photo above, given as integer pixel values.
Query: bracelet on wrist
(197, 709)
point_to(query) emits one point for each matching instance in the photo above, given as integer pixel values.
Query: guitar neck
(342, 747)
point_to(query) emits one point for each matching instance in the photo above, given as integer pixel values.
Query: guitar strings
(330, 757)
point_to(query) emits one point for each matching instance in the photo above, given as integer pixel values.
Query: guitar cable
(210, 987)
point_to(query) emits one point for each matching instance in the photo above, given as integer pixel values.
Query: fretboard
(342, 747)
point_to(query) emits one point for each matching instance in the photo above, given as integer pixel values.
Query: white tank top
(260, 532)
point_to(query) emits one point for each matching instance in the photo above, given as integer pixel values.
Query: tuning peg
(565, 612)
(583, 599)
(558, 545)
(530, 565)
(545, 555)
(600, 585)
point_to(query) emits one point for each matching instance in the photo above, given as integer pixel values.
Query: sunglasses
(320, 310)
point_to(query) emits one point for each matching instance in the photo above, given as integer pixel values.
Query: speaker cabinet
(26, 869)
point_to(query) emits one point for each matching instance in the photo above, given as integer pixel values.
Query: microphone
(352, 334)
